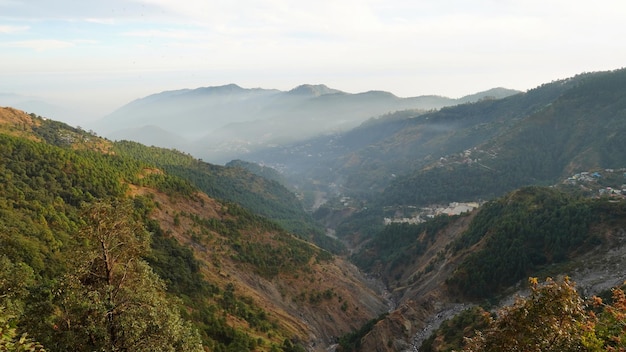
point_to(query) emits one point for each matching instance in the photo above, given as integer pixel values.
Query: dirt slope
(317, 306)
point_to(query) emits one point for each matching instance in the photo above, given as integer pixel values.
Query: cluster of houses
(584, 177)
(468, 156)
(609, 191)
(422, 214)
(598, 181)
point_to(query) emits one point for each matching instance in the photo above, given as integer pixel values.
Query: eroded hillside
(311, 294)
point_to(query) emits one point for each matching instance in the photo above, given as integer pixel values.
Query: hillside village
(600, 183)
(468, 156)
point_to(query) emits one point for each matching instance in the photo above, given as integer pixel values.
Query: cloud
(75, 10)
(160, 33)
(7, 29)
(271, 16)
(107, 21)
(40, 44)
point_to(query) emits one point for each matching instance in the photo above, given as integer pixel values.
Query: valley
(373, 231)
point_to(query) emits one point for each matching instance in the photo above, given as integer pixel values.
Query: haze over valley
(226, 122)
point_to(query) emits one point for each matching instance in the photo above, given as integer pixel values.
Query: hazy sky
(96, 55)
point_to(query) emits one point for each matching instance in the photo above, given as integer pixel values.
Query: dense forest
(62, 231)
(525, 231)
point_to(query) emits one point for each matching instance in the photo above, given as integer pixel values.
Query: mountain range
(221, 123)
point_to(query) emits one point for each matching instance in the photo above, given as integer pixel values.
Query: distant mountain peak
(379, 93)
(493, 93)
(227, 88)
(315, 90)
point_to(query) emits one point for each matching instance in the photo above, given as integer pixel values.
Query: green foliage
(15, 281)
(60, 134)
(33, 171)
(610, 321)
(10, 341)
(366, 222)
(352, 341)
(176, 265)
(65, 279)
(170, 185)
(42, 187)
(111, 299)
(454, 184)
(552, 318)
(285, 253)
(292, 346)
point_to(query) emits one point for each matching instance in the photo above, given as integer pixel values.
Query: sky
(93, 56)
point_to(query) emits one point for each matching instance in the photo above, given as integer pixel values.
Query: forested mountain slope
(582, 129)
(114, 252)
(221, 257)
